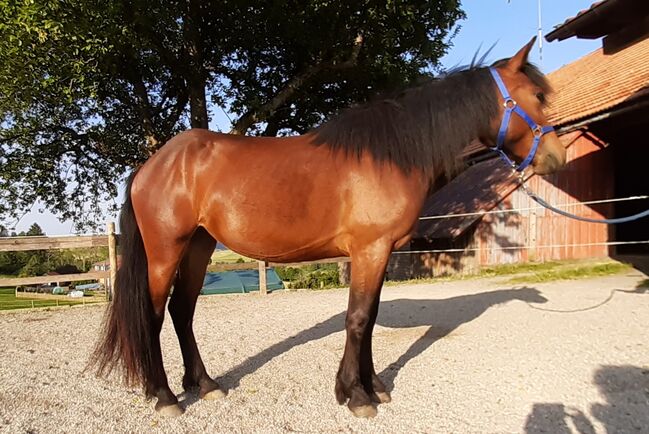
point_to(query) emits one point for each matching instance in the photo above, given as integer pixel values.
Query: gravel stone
(472, 356)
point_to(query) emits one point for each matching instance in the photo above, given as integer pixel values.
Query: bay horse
(352, 187)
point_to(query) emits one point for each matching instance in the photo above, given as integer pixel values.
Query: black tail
(126, 339)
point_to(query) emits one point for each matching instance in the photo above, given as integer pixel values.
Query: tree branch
(266, 110)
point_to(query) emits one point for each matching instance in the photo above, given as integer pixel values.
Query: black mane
(425, 127)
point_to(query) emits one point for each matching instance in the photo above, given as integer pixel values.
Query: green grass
(531, 267)
(227, 257)
(643, 284)
(571, 273)
(8, 301)
(532, 272)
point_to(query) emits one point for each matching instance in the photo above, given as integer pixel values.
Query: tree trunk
(272, 128)
(267, 110)
(198, 105)
(196, 81)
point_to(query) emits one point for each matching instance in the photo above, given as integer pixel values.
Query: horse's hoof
(364, 411)
(214, 395)
(173, 410)
(383, 397)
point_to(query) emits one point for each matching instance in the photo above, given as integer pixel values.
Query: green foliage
(35, 266)
(90, 89)
(315, 276)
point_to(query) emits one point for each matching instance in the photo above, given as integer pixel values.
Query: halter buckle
(509, 103)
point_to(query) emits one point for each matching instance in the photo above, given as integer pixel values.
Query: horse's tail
(126, 339)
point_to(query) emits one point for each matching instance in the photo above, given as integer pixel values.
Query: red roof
(478, 188)
(598, 82)
(602, 18)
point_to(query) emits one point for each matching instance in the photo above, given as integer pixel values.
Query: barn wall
(501, 238)
(587, 176)
(415, 265)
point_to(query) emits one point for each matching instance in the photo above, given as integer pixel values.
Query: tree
(90, 89)
(33, 231)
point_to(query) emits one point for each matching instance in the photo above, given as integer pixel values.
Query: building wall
(525, 236)
(588, 175)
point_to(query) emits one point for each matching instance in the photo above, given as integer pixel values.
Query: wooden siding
(506, 238)
(587, 176)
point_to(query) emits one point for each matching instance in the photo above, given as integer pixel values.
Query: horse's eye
(541, 97)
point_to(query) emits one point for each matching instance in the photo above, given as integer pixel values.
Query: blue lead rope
(615, 221)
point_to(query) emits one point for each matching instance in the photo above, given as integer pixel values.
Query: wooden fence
(17, 244)
(110, 239)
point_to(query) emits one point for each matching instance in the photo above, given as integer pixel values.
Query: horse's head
(529, 295)
(521, 130)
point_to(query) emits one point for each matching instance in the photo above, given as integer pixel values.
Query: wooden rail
(40, 280)
(16, 244)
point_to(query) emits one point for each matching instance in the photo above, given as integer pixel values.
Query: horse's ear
(520, 59)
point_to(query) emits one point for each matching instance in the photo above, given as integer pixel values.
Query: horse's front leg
(371, 382)
(354, 382)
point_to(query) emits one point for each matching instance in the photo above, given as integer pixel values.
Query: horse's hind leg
(181, 307)
(162, 268)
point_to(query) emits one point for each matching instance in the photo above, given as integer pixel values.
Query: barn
(601, 111)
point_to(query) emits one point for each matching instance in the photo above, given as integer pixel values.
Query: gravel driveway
(461, 357)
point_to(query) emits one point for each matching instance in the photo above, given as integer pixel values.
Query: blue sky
(508, 25)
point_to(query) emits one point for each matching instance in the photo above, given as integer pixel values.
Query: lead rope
(537, 199)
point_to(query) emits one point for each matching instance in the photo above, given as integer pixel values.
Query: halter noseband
(511, 106)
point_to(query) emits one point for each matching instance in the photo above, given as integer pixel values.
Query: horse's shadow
(442, 316)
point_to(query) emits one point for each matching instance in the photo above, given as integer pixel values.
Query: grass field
(228, 257)
(537, 272)
(571, 273)
(8, 301)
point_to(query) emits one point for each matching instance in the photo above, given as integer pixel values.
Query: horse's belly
(267, 228)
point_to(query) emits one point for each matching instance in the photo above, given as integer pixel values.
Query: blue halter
(511, 106)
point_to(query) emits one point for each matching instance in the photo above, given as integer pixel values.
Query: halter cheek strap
(511, 107)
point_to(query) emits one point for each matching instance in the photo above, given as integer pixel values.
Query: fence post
(344, 272)
(263, 286)
(112, 259)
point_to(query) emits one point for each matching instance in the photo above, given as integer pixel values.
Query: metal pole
(540, 37)
(112, 259)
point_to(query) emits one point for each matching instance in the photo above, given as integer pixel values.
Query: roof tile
(598, 82)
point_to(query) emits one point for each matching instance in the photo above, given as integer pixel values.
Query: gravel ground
(461, 357)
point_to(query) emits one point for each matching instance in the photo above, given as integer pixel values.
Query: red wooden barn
(601, 108)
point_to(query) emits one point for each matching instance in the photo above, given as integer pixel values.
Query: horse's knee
(356, 323)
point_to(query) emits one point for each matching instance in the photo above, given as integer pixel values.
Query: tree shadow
(442, 316)
(625, 390)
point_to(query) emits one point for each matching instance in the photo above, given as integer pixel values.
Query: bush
(313, 276)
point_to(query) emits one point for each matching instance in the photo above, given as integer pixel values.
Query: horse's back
(279, 199)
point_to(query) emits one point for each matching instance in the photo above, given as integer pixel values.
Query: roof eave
(576, 25)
